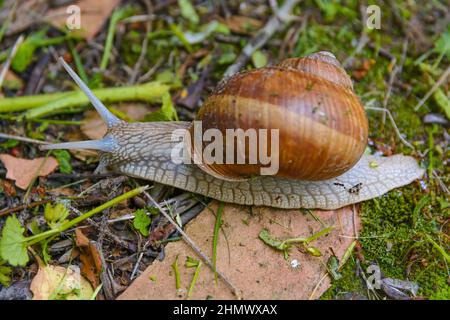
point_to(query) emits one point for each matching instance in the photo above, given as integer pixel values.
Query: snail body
(321, 162)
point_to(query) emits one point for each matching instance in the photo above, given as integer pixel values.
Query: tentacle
(107, 116)
(106, 144)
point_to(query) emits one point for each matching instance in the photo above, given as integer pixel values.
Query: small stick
(191, 243)
(278, 21)
(23, 206)
(391, 118)
(441, 80)
(142, 55)
(11, 55)
(23, 139)
(397, 69)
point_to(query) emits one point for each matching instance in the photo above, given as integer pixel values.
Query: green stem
(311, 238)
(69, 224)
(48, 103)
(118, 15)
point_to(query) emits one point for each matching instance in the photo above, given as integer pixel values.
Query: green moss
(397, 241)
(348, 283)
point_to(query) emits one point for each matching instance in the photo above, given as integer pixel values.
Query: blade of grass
(177, 274)
(194, 279)
(69, 224)
(217, 226)
(77, 61)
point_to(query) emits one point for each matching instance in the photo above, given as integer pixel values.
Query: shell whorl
(323, 64)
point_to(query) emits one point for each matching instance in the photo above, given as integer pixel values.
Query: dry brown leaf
(95, 128)
(22, 171)
(8, 188)
(256, 269)
(26, 13)
(91, 262)
(242, 24)
(54, 282)
(94, 14)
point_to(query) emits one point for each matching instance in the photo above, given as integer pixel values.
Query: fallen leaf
(26, 13)
(91, 262)
(13, 248)
(362, 70)
(22, 171)
(8, 188)
(83, 155)
(259, 271)
(95, 128)
(94, 14)
(12, 81)
(241, 24)
(58, 283)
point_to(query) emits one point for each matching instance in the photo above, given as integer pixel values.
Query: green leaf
(314, 251)
(268, 239)
(188, 11)
(227, 58)
(259, 59)
(10, 143)
(333, 266)
(25, 52)
(13, 247)
(63, 158)
(191, 262)
(141, 222)
(55, 215)
(443, 44)
(5, 273)
(167, 112)
(443, 101)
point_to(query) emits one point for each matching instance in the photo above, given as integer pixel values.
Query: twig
(397, 69)
(191, 243)
(281, 18)
(23, 206)
(148, 27)
(24, 139)
(441, 80)
(11, 55)
(363, 39)
(311, 297)
(391, 118)
(151, 71)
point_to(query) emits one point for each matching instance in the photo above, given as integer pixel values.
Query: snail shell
(322, 125)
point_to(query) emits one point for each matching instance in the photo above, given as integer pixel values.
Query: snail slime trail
(235, 147)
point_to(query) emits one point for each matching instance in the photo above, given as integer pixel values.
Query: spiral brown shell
(322, 125)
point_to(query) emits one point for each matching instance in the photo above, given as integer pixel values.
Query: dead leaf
(83, 155)
(242, 24)
(26, 13)
(258, 270)
(8, 188)
(91, 262)
(22, 171)
(94, 14)
(362, 70)
(12, 81)
(58, 283)
(95, 128)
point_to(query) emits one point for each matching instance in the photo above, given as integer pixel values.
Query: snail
(323, 132)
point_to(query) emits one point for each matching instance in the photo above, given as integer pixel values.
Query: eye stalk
(107, 143)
